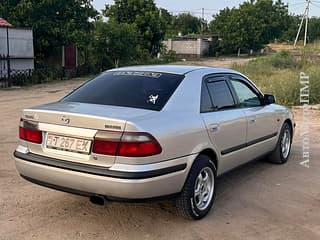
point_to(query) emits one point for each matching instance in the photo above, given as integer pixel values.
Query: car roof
(176, 69)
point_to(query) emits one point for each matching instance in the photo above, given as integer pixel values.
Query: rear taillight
(105, 147)
(138, 145)
(128, 144)
(28, 131)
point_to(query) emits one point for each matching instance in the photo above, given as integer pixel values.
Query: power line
(315, 5)
(294, 4)
(202, 13)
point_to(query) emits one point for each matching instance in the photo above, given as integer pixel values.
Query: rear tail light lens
(138, 145)
(105, 147)
(127, 145)
(28, 131)
(128, 149)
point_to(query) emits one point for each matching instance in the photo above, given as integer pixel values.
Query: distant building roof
(4, 23)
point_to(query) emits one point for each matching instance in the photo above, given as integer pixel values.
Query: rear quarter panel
(179, 134)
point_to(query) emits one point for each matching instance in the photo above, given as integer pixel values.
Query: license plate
(68, 143)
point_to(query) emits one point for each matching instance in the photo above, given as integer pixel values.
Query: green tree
(274, 18)
(115, 43)
(187, 24)
(290, 33)
(7, 7)
(314, 29)
(55, 23)
(253, 24)
(145, 15)
(167, 19)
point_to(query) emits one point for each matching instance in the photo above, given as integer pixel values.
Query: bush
(285, 60)
(280, 75)
(169, 56)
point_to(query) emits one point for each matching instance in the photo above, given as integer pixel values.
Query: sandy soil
(256, 201)
(216, 62)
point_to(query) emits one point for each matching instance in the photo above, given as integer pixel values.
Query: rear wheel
(198, 194)
(282, 152)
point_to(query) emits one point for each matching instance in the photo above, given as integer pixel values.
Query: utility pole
(305, 16)
(202, 20)
(307, 19)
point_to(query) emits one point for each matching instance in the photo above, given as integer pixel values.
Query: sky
(213, 6)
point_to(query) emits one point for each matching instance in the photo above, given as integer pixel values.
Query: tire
(201, 179)
(282, 151)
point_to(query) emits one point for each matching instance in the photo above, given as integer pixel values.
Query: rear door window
(221, 95)
(146, 90)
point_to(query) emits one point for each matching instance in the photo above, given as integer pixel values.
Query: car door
(226, 124)
(261, 118)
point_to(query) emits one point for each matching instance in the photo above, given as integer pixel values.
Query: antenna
(305, 16)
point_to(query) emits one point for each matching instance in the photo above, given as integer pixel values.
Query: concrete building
(188, 47)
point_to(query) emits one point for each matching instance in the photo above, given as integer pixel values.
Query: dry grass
(278, 47)
(280, 75)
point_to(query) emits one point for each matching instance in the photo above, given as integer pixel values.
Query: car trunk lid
(78, 122)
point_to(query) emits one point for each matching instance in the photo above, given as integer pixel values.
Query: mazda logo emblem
(65, 119)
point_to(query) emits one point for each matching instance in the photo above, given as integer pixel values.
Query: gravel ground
(257, 201)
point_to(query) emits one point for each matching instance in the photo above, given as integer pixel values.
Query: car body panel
(227, 129)
(262, 121)
(181, 130)
(106, 186)
(179, 134)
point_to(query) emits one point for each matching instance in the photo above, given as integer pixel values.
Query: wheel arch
(212, 154)
(289, 121)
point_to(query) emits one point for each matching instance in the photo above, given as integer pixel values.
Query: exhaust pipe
(98, 200)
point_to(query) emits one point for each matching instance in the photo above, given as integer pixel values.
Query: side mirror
(269, 99)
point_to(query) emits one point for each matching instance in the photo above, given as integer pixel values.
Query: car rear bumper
(138, 182)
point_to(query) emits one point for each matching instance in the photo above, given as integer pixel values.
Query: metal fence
(39, 75)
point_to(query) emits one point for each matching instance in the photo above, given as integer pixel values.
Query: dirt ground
(257, 201)
(214, 62)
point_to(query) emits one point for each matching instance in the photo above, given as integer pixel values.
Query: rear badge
(112, 127)
(65, 119)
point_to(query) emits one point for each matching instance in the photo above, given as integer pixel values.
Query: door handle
(213, 127)
(253, 120)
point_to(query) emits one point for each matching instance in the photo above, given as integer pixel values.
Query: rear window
(146, 90)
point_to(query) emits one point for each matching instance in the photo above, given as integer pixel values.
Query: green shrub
(284, 60)
(170, 56)
(280, 75)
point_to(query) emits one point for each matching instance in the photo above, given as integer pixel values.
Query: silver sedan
(152, 131)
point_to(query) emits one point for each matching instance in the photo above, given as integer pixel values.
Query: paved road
(256, 201)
